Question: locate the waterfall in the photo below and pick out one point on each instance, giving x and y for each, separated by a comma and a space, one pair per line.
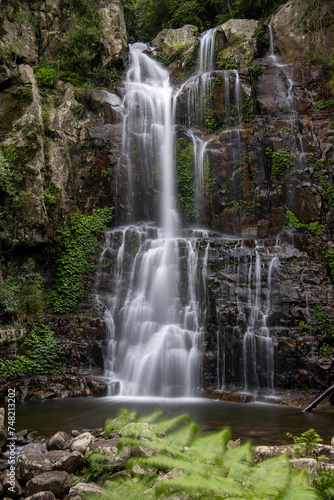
148, 133
151, 279
258, 351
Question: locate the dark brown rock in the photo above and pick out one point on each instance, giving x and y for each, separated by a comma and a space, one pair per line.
58, 482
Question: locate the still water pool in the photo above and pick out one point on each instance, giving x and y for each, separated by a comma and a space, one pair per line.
256, 422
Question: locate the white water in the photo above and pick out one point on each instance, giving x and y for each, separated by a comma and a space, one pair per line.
258, 349
153, 279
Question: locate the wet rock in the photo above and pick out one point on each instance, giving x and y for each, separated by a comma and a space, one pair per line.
83, 490
58, 482
42, 495
32, 462
57, 441
11, 486
81, 443
263, 452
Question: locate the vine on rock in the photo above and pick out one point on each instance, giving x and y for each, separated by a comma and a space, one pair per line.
77, 243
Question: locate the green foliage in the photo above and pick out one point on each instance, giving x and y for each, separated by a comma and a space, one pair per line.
315, 163
247, 108
326, 323
46, 76
329, 190
20, 292
324, 483
324, 350
9, 176
305, 444
257, 71
329, 255
77, 243
100, 467
321, 105
314, 227
280, 162
163, 58
198, 466
294, 221
43, 356
189, 61
187, 191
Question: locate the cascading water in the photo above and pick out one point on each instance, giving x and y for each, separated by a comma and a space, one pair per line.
152, 276
153, 279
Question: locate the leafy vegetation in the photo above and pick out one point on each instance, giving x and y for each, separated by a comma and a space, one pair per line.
9, 175
77, 243
100, 466
186, 465
314, 227
145, 18
42, 356
20, 293
46, 76
280, 162
305, 444
187, 192
324, 483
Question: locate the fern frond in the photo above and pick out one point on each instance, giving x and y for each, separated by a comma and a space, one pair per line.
151, 419
180, 438
210, 448
238, 462
299, 488
115, 424
220, 487
171, 424
270, 478
130, 489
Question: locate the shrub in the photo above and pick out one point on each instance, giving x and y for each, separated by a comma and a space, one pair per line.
280, 162
46, 77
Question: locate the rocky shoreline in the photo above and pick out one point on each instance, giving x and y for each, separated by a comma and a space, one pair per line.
60, 466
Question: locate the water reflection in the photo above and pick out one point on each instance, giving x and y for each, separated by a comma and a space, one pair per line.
257, 422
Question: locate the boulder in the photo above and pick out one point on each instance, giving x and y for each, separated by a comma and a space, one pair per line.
84, 490
242, 42
57, 441
11, 486
114, 39
240, 30
81, 443
291, 34
42, 495
169, 39
31, 463
58, 482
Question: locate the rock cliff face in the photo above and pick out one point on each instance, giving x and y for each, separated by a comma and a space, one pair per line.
268, 132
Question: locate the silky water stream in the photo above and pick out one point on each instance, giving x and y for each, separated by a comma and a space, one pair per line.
152, 276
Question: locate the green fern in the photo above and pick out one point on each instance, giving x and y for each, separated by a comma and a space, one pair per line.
186, 465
